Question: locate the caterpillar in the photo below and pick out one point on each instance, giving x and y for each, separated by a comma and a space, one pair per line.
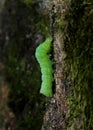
43, 58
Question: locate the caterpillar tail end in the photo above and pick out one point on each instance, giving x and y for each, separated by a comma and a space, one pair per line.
46, 93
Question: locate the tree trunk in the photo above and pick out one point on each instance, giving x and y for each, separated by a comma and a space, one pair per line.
55, 117
70, 22
71, 106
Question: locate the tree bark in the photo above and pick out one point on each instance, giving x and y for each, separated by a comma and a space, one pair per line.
55, 117
71, 106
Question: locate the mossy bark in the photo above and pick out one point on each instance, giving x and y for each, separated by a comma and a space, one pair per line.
70, 23
55, 117
71, 107
23, 28
79, 46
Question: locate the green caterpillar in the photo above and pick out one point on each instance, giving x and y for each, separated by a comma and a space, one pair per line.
43, 58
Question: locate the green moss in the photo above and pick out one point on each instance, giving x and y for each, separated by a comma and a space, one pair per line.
25, 25
79, 48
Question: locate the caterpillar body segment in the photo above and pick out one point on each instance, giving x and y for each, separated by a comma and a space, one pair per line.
43, 58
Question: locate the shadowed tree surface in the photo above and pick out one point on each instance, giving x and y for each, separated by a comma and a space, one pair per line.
21, 33
24, 25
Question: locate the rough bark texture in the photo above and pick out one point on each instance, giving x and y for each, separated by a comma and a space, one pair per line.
73, 54
55, 117
25, 24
